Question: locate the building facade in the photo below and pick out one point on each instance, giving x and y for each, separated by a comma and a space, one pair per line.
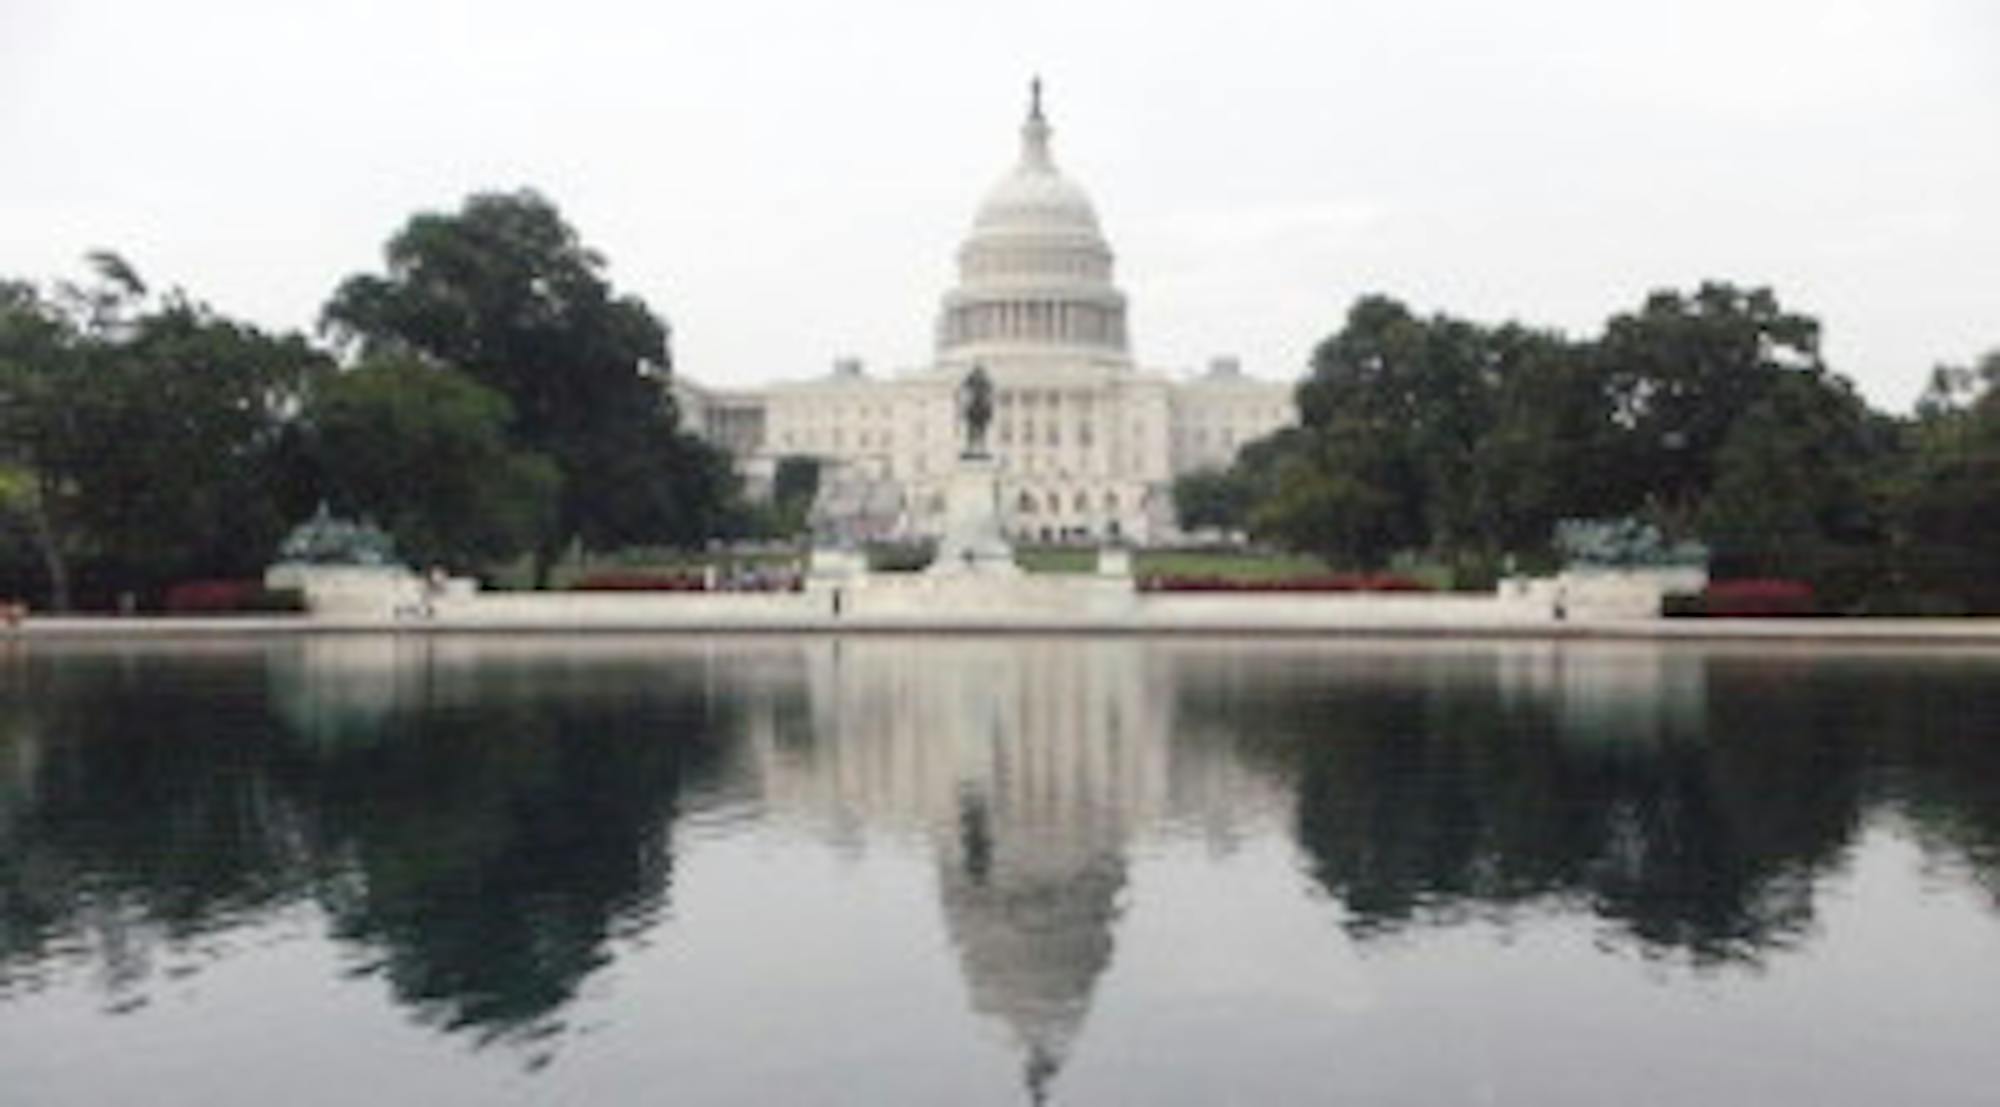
1088, 442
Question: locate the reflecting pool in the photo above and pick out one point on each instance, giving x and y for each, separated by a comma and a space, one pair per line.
886, 870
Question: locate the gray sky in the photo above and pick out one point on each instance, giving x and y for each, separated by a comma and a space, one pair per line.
787, 182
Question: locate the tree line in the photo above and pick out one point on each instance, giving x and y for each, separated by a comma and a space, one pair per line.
488, 395
1710, 414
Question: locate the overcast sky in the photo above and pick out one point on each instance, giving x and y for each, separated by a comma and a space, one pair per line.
787, 182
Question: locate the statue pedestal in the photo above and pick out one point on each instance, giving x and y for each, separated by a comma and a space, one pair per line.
972, 541
353, 591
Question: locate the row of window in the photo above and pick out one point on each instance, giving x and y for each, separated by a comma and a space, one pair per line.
835, 439
1051, 503
989, 262
1086, 466
1051, 434
1010, 460
1044, 397
1005, 434
1063, 533
1224, 436
1190, 416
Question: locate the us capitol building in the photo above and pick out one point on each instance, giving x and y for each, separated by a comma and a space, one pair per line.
1088, 443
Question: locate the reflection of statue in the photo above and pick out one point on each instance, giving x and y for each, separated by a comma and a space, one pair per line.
975, 405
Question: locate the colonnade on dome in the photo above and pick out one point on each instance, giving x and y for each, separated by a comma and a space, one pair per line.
1052, 321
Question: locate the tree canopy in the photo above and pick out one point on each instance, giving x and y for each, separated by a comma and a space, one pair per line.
152, 437
423, 450
1711, 414
504, 291
493, 395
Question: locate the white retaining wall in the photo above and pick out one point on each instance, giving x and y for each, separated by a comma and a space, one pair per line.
977, 601
635, 610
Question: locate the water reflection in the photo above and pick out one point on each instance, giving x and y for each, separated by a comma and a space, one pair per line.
495, 830
1690, 798
477, 825
483, 825
134, 818
1029, 772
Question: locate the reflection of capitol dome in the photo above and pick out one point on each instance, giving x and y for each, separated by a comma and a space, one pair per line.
1032, 919
1030, 768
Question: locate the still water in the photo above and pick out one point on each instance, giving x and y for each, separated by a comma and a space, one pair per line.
925, 871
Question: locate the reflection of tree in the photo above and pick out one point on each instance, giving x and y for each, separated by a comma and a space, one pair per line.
1432, 789
491, 854
136, 813
486, 828
1935, 757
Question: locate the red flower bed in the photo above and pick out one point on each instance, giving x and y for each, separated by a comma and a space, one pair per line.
195, 597
1759, 597
1333, 582
625, 580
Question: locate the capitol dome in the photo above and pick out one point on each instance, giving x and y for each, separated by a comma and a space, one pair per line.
1034, 275
1034, 198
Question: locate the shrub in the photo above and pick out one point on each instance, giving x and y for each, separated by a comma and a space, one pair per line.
209, 597
1333, 582
631, 580
1682, 605
900, 557
274, 601
1758, 598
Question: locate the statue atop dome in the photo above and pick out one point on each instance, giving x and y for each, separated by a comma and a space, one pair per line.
1035, 133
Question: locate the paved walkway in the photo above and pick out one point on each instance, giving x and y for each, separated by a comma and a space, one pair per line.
1983, 632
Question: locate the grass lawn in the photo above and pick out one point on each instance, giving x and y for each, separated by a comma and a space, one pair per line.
1228, 565
566, 572
1191, 563
1056, 559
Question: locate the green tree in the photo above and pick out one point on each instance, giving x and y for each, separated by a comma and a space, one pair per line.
423, 450
1795, 488
794, 487
796, 480
1401, 390
37, 355
158, 436
1391, 417
1541, 456
1678, 372
1218, 499
1946, 503
504, 291
1334, 494
190, 460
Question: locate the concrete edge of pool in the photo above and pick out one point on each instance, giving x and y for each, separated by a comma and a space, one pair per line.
1916, 631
